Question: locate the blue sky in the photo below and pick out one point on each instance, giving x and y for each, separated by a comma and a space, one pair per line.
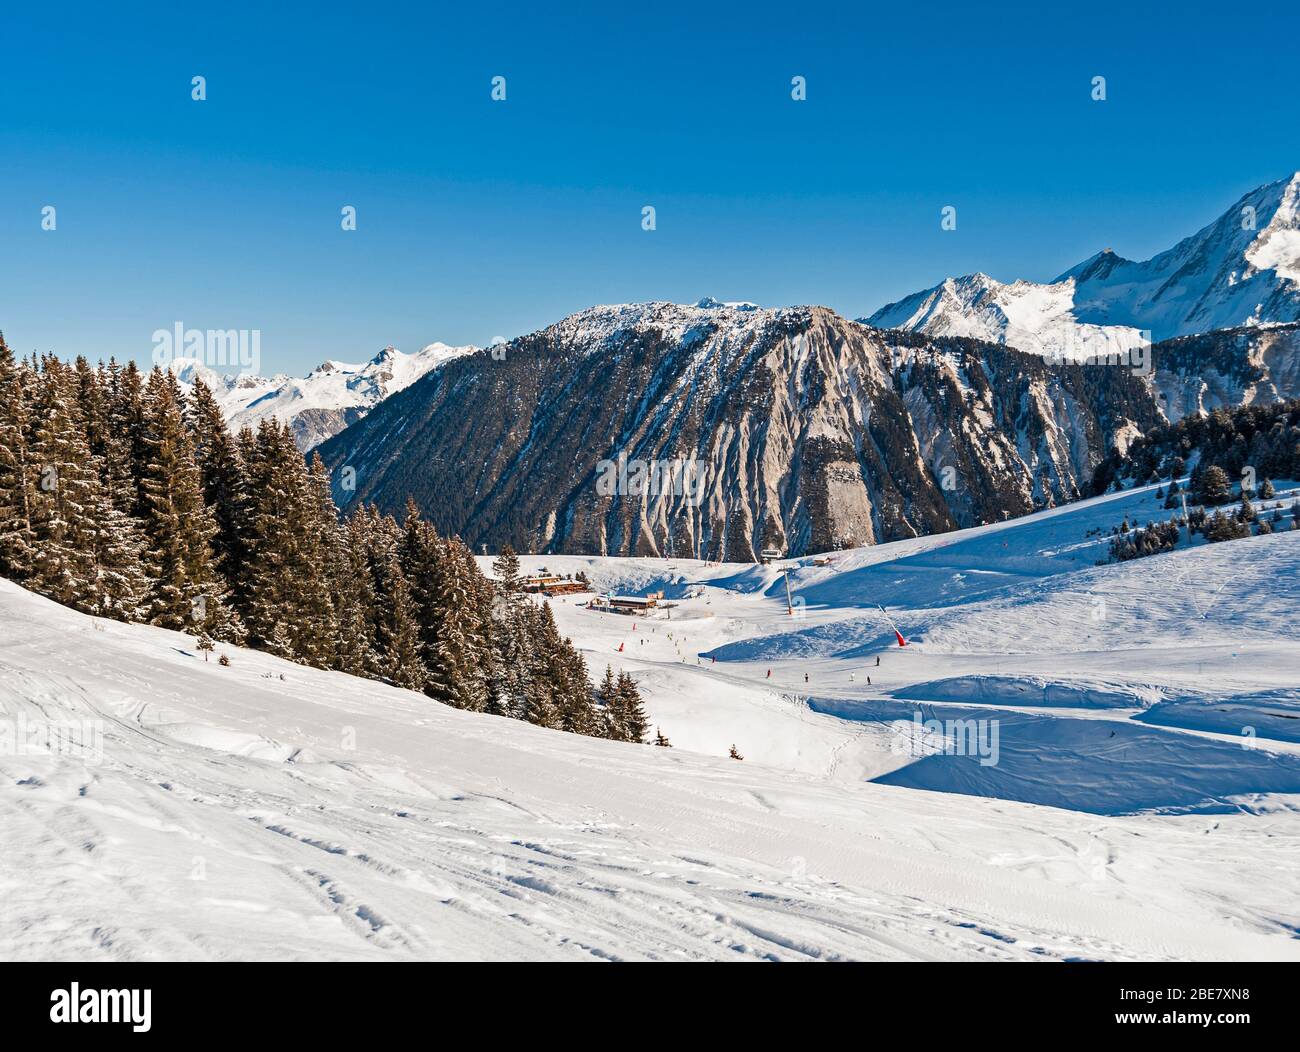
479, 219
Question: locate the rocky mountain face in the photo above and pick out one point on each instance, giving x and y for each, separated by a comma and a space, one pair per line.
1251, 365
326, 400
1242, 269
718, 430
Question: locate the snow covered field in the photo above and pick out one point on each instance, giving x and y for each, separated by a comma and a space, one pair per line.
1144, 802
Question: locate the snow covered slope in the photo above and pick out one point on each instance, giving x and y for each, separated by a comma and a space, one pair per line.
326, 400
1013, 622
1242, 269
266, 810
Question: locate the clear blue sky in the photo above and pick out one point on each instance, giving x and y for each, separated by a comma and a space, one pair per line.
479, 219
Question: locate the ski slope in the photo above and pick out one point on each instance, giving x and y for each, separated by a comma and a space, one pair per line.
1156, 667
267, 810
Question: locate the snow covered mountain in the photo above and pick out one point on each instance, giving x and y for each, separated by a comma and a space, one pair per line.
1242, 269
326, 400
1040, 319
801, 430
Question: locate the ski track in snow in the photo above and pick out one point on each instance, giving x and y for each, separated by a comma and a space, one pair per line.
239, 815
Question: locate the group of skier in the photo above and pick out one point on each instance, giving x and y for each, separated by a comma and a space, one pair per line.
853, 676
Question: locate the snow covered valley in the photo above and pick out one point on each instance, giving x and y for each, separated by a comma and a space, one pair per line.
1144, 802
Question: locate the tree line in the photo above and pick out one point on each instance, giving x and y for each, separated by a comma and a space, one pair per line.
124, 496
1208, 485
1264, 438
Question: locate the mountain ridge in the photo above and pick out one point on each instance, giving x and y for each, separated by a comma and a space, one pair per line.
1241, 269
809, 431
326, 400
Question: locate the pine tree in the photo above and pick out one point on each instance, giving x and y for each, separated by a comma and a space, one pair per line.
17, 472
578, 714
350, 647
458, 639
630, 718
1212, 486
734, 753
121, 586
492, 673
560, 677
67, 494
224, 483
124, 456
178, 526
92, 399
355, 650
539, 703
607, 710
283, 574
506, 568
320, 538
1219, 527
517, 661
399, 631
279, 641
421, 558
249, 452
510, 642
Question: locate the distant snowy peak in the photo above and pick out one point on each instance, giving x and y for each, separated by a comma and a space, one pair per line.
326, 400
1242, 269
1030, 317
